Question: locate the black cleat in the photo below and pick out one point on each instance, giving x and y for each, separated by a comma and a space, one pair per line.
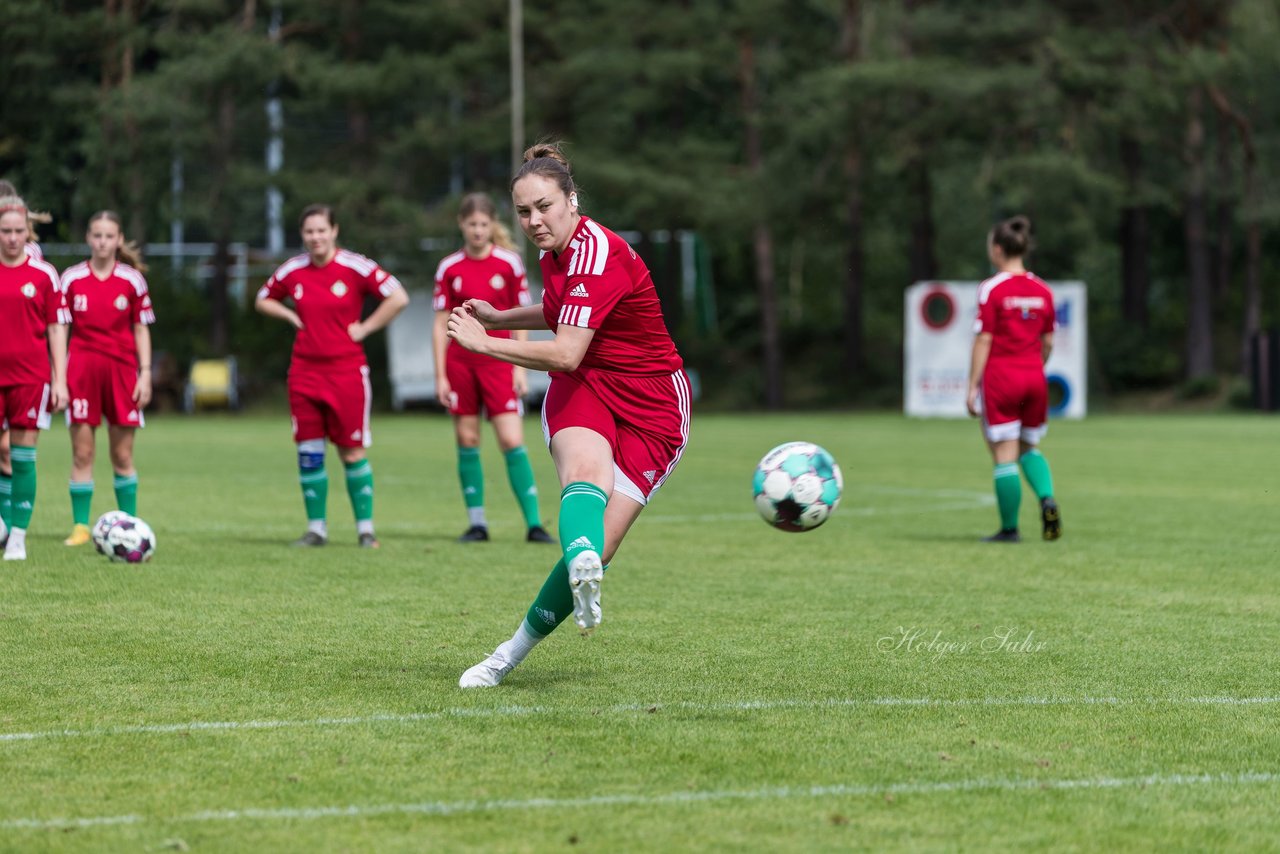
1052, 518
369, 541
475, 534
538, 534
1004, 535
310, 540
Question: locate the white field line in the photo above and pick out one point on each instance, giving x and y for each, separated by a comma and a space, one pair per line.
629, 708
775, 793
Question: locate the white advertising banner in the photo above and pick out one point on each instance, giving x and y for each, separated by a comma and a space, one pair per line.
938, 341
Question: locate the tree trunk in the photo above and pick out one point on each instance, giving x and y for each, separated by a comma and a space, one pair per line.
1135, 240
1199, 283
135, 215
761, 235
850, 52
924, 262
220, 207
1222, 213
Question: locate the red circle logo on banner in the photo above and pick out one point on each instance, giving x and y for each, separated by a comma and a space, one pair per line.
937, 309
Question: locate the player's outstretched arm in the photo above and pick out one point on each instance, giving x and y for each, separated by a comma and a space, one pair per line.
521, 317
562, 353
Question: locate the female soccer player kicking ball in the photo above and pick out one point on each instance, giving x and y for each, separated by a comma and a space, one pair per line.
617, 412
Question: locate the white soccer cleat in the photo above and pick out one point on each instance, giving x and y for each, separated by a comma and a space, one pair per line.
585, 573
15, 549
486, 674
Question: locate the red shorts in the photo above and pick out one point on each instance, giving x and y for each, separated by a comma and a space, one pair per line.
334, 404
99, 386
25, 407
478, 383
645, 420
1015, 404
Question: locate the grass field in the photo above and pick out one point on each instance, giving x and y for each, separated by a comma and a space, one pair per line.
884, 682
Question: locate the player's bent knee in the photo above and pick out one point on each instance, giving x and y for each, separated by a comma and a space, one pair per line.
311, 454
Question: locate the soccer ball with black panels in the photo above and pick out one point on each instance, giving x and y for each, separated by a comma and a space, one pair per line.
797, 486
124, 538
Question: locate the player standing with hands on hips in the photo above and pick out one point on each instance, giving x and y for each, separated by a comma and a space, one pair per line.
329, 391
109, 364
617, 413
1014, 336
33, 362
486, 268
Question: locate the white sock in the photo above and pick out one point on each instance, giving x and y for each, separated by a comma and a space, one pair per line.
476, 515
364, 526
318, 526
17, 538
520, 645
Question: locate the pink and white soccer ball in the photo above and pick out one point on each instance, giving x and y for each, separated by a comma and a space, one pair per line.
100, 528
130, 540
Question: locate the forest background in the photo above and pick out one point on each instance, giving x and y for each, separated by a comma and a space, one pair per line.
825, 153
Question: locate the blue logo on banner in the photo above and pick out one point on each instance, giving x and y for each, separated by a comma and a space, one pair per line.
1060, 388
1063, 314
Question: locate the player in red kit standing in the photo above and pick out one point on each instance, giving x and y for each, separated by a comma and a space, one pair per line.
33, 361
616, 416
6, 468
329, 392
109, 364
486, 268
1014, 336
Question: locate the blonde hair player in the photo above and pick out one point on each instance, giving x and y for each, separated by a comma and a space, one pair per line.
33, 362
108, 364
487, 268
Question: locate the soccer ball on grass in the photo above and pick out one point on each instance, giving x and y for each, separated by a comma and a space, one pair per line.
797, 486
130, 540
100, 528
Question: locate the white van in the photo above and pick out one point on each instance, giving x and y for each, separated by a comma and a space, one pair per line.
411, 361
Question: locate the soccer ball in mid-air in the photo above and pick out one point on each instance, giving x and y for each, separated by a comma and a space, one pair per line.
100, 528
797, 486
130, 540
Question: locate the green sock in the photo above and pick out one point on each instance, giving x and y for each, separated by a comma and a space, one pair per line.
360, 488
553, 604
1008, 494
315, 491
471, 476
81, 501
1036, 469
24, 484
520, 474
126, 486
6, 498
581, 521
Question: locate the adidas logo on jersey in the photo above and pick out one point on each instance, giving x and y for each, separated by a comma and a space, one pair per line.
511, 404
548, 616
579, 291
582, 543
650, 475
133, 415
31, 413
355, 436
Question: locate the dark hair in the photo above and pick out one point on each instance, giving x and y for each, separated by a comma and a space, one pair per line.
128, 250
317, 209
473, 203
1013, 236
546, 159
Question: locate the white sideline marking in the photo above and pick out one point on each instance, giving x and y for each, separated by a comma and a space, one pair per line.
626, 708
444, 808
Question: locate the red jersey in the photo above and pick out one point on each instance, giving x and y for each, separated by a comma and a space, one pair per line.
1016, 308
328, 299
600, 283
498, 279
30, 300
105, 311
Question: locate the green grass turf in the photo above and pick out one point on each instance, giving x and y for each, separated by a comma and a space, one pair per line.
749, 689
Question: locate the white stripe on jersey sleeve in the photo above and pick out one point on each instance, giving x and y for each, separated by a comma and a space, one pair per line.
447, 262
48, 269
133, 277
575, 315
355, 261
389, 286
74, 273
512, 258
984, 290
593, 252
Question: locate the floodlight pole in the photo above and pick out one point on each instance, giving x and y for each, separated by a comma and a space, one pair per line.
517, 98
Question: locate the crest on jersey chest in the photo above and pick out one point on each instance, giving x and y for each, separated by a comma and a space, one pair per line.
28, 290
121, 302
339, 289
497, 282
